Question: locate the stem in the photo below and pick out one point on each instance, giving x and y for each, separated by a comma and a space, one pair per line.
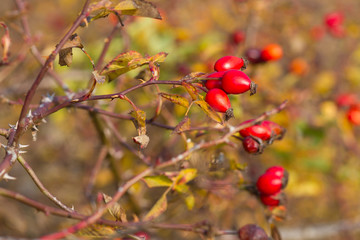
42, 188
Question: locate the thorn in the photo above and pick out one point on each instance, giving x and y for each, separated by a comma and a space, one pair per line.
72, 207
3, 145
22, 152
8, 177
43, 120
22, 146
29, 114
35, 128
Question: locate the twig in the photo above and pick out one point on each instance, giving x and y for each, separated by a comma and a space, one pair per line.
42, 188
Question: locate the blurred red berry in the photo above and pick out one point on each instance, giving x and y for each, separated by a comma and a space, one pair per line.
317, 32
254, 55
337, 31
353, 115
276, 130
252, 232
257, 130
270, 200
281, 173
269, 184
238, 37
346, 100
334, 19
229, 62
251, 145
272, 52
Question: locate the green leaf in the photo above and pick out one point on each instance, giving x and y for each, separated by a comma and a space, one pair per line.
177, 99
159, 207
116, 210
209, 111
157, 181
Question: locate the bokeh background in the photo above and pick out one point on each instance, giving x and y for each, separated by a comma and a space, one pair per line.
320, 149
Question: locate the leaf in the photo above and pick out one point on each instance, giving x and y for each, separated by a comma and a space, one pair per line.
190, 201
177, 99
157, 181
116, 210
128, 61
209, 111
186, 175
183, 125
159, 207
139, 8
96, 231
139, 121
191, 90
194, 75
142, 140
122, 64
65, 54
98, 77
5, 43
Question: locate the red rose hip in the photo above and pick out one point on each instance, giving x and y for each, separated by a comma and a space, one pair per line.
272, 52
256, 130
269, 184
270, 200
219, 101
214, 83
236, 82
251, 145
228, 63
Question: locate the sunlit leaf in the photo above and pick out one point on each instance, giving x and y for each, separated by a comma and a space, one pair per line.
159, 57
96, 231
139, 120
209, 111
65, 54
186, 175
191, 90
139, 8
177, 99
159, 207
157, 181
190, 201
183, 125
116, 210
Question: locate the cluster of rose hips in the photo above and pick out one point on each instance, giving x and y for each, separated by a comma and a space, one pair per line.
227, 79
334, 24
270, 185
270, 52
259, 135
350, 102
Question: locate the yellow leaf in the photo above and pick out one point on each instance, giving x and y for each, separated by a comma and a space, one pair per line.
157, 181
116, 210
126, 5
183, 125
96, 231
209, 111
177, 99
191, 90
159, 207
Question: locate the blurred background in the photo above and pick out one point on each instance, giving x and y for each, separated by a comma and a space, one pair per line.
318, 72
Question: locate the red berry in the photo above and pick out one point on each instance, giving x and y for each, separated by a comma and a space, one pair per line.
254, 55
353, 115
317, 32
337, 31
236, 82
272, 52
238, 37
251, 145
281, 173
346, 100
219, 101
141, 235
229, 62
214, 83
252, 232
269, 184
270, 200
333, 19
256, 130
276, 130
